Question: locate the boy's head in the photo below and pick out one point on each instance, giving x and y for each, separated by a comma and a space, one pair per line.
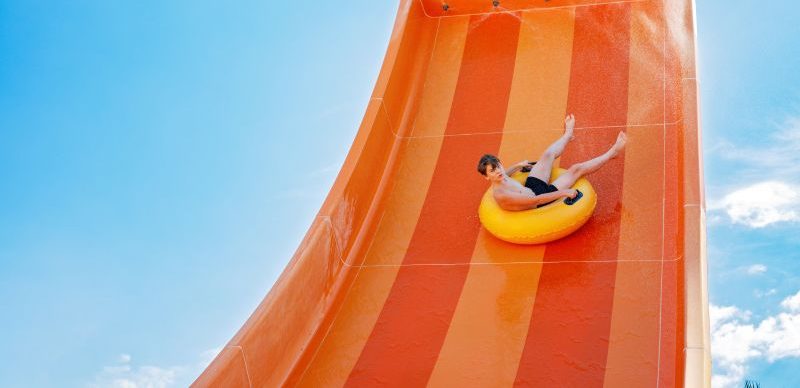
490, 167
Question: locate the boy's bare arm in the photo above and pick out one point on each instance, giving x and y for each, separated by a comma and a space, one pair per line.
525, 202
516, 167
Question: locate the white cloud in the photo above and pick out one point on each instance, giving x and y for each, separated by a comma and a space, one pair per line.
780, 158
735, 341
775, 165
761, 294
756, 269
125, 375
761, 204
792, 303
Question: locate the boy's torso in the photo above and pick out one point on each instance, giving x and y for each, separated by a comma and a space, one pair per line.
512, 188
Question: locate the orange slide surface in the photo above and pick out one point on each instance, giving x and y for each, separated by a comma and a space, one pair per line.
397, 284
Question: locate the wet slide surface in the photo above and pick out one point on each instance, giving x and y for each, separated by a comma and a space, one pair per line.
397, 283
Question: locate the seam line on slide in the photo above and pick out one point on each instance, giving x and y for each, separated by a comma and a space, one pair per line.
244, 359
538, 9
516, 263
523, 131
664, 190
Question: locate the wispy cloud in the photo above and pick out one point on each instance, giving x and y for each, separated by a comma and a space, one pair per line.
735, 341
779, 158
761, 294
318, 181
756, 269
775, 169
124, 374
327, 170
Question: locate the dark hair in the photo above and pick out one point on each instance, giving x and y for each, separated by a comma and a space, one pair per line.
487, 159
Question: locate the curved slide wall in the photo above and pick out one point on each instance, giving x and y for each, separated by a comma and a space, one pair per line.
397, 284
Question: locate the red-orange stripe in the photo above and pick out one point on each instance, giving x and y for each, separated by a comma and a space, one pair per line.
567, 343
672, 306
405, 342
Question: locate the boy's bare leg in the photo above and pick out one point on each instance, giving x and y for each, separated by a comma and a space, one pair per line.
544, 165
576, 171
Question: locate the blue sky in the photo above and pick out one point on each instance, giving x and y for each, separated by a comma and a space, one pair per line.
160, 162
749, 54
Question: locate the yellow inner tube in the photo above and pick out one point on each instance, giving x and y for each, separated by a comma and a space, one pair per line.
540, 225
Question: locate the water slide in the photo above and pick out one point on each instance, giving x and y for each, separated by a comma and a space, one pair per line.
397, 284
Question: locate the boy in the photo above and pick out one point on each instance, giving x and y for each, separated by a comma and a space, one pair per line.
511, 195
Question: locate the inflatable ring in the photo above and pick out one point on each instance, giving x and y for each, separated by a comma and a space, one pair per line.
540, 225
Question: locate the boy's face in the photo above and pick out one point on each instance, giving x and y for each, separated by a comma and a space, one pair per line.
495, 174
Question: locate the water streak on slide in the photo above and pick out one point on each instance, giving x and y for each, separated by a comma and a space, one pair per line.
397, 284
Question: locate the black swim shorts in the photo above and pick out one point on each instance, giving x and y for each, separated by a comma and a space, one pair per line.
540, 187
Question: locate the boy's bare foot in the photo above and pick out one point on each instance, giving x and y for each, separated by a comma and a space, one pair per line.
569, 126
622, 138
